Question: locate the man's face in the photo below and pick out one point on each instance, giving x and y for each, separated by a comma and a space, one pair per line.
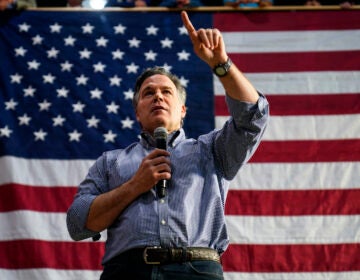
159, 104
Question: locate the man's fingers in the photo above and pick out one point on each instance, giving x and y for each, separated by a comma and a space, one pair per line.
189, 27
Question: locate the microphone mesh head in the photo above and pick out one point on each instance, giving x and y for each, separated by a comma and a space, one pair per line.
160, 133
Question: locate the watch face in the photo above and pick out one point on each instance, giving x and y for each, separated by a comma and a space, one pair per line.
221, 71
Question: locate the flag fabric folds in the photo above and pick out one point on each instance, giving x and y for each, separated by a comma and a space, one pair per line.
66, 83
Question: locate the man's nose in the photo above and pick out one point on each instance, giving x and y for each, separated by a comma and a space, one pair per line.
158, 95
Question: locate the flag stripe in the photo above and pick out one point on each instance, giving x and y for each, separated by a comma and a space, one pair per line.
53, 274
347, 275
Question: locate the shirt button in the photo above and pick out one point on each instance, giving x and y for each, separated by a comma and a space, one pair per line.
162, 200
163, 222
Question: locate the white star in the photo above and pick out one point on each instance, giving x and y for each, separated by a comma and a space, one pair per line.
5, 131
88, 28
117, 54
96, 93
184, 82
182, 30
78, 107
166, 43
129, 94
33, 65
109, 136
127, 123
151, 30
134, 42
45, 105
62, 92
20, 51
58, 121
66, 66
69, 41
115, 80
93, 122
74, 136
99, 67
24, 27
167, 67
132, 68
52, 53
119, 29
29, 91
85, 53
81, 80
183, 55
112, 108
40, 135
37, 40
10, 105
150, 55
24, 119
101, 42
55, 28
49, 78
16, 78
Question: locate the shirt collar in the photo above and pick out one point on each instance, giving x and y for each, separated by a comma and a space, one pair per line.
148, 141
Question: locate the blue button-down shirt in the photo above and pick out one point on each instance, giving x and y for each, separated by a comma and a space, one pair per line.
192, 212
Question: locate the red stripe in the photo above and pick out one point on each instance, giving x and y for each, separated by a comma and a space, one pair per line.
308, 151
297, 61
292, 258
293, 202
42, 199
22, 254
287, 21
301, 104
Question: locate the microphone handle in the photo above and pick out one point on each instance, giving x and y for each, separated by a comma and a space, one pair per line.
162, 184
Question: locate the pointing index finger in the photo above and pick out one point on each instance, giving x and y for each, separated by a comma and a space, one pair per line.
187, 23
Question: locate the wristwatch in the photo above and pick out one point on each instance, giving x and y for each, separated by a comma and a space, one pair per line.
222, 69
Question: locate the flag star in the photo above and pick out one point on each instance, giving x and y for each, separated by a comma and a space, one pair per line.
112, 108
33, 65
45, 105
55, 28
10, 105
182, 30
129, 94
166, 43
119, 29
118, 54
58, 121
20, 51
93, 122
127, 123
52, 53
109, 136
29, 91
48, 79
37, 40
88, 28
101, 42
115, 80
24, 27
132, 68
66, 66
62, 92
96, 93
151, 30
5, 131
40, 135
167, 67
78, 107
99, 67
74, 136
183, 55
24, 119
134, 42
184, 82
69, 41
81, 80
150, 55
85, 53
16, 78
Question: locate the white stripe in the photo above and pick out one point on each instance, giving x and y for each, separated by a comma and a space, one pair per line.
351, 275
319, 127
291, 41
329, 229
297, 176
53, 274
320, 82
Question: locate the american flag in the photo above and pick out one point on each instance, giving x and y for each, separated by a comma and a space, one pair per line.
66, 83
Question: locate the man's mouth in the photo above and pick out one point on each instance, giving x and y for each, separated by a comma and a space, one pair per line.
157, 108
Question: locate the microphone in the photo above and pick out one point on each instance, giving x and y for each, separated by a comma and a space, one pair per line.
160, 135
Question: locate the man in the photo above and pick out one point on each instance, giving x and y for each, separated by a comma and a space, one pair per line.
182, 234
